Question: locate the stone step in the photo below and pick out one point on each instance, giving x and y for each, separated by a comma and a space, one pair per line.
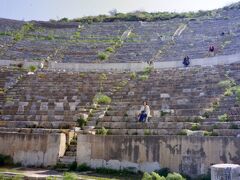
71, 153
67, 160
33, 130
165, 118
37, 124
148, 125
227, 132
145, 131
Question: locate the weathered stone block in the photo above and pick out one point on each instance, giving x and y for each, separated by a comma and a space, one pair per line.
44, 106
182, 101
59, 106
164, 95
131, 93
73, 106
225, 172
149, 166
187, 90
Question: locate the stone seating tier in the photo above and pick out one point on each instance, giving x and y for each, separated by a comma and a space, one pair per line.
158, 41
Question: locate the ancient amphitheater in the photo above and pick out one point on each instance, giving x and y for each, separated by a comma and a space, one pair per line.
70, 91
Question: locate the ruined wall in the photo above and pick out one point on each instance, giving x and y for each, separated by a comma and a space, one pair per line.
190, 155
33, 149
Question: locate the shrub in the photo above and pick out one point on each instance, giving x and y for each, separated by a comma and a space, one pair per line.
18, 177
206, 114
73, 166
237, 91
82, 75
103, 56
174, 176
102, 99
118, 43
228, 92
199, 119
147, 70
223, 118
5, 160
215, 104
212, 133
82, 122
24, 29
51, 178
164, 172
83, 167
195, 127
42, 76
102, 131
77, 35
27, 27
49, 37
2, 90
70, 176
32, 68
225, 83
146, 176
156, 176
143, 77
18, 36
110, 50
103, 76
142, 16
64, 19
133, 75
147, 132
182, 132
5, 33
152, 176
206, 133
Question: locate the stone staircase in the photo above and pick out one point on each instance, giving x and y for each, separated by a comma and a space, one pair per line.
70, 153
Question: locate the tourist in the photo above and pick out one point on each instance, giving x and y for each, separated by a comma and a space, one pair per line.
186, 61
144, 112
211, 50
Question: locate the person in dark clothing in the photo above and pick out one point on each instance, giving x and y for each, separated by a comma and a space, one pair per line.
211, 48
211, 51
186, 61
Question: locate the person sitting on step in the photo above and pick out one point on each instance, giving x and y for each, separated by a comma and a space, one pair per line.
211, 50
144, 112
186, 61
